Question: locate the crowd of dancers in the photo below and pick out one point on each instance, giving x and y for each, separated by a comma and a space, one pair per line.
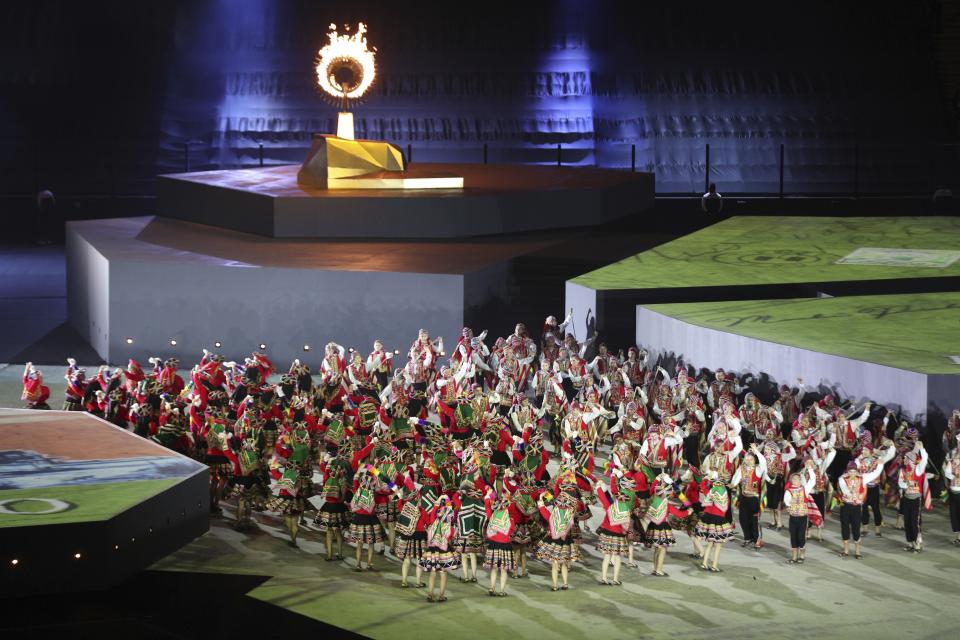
495, 455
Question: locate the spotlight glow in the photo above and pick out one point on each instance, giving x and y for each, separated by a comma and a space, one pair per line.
14, 562
263, 346
306, 347
173, 343
129, 340
76, 556
348, 55
218, 344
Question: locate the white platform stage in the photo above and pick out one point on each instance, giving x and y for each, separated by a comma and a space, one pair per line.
155, 280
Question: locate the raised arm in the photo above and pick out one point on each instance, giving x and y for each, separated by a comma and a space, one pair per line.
737, 448
810, 481
873, 475
857, 422
922, 463
761, 464
788, 454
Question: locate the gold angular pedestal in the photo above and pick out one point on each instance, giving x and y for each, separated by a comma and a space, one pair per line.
338, 163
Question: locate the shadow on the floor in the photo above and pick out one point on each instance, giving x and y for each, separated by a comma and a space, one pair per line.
162, 604
56, 346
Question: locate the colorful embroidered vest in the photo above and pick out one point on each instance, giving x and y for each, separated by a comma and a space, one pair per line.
855, 490
749, 482
360, 373
845, 439
955, 468
914, 489
821, 483
525, 503
658, 450
449, 392
774, 461
335, 432
616, 395
868, 463
798, 501
384, 363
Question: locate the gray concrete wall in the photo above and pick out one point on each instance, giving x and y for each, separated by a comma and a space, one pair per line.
583, 301
88, 290
854, 379
285, 309
157, 295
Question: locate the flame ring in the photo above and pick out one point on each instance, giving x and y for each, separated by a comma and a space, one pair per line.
346, 53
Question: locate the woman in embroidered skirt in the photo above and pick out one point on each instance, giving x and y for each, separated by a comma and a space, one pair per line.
502, 518
524, 494
658, 532
714, 527
471, 518
612, 537
558, 547
245, 450
440, 556
411, 532
365, 527
291, 470
333, 517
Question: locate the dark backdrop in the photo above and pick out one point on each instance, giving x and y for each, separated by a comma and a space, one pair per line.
96, 98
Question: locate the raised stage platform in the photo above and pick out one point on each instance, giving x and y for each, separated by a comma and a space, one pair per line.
250, 257
767, 257
154, 280
894, 349
85, 504
496, 199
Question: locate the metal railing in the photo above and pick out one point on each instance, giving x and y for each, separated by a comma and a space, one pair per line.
784, 169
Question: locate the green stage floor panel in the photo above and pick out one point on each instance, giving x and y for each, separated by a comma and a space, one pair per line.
757, 595
778, 250
915, 332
